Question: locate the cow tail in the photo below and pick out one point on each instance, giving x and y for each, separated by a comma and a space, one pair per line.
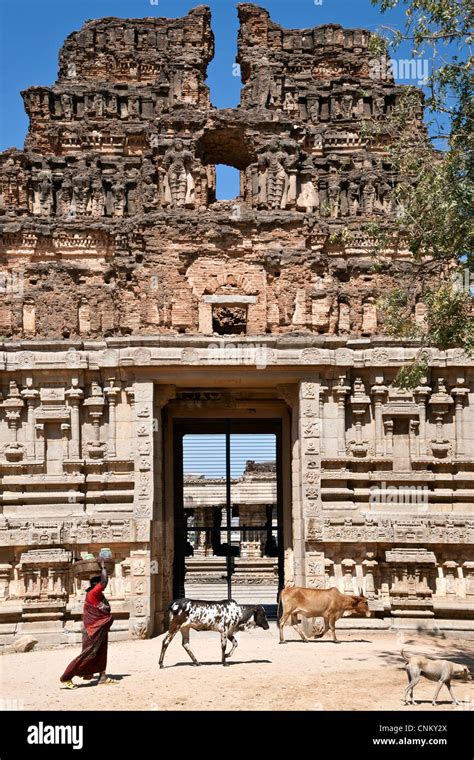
280, 603
402, 652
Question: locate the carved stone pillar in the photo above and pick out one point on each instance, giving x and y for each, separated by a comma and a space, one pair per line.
95, 405
130, 391
414, 426
359, 403
127, 584
112, 393
421, 393
450, 568
295, 570
460, 394
340, 391
388, 427
315, 570
440, 403
74, 395
310, 460
139, 621
322, 390
379, 392
201, 548
30, 395
65, 429
328, 572
468, 569
13, 406
161, 532
143, 497
5, 576
348, 570
40, 444
370, 566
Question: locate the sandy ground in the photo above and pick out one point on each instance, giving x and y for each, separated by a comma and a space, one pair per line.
363, 672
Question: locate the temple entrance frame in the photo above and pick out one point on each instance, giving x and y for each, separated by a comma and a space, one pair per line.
252, 416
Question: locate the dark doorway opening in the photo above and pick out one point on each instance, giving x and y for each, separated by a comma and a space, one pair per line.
229, 320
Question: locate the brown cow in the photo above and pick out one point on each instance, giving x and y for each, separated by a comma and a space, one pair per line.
329, 604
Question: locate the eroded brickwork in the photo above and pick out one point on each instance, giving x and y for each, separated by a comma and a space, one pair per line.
109, 213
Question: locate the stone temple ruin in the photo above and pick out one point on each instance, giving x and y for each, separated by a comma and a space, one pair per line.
134, 303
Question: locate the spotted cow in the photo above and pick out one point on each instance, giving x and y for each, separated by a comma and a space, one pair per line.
225, 617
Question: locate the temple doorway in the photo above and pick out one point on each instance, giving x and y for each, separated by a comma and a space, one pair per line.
228, 510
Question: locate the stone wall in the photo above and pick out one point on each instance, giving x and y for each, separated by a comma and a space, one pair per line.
109, 218
382, 480
125, 284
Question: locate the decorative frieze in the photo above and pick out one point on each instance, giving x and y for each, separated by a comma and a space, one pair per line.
391, 529
310, 450
144, 489
139, 600
90, 530
315, 569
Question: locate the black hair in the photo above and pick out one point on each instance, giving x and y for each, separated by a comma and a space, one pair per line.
93, 582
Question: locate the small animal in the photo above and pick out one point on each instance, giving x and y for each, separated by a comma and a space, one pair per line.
441, 671
227, 617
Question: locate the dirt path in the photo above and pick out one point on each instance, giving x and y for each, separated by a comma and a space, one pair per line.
363, 672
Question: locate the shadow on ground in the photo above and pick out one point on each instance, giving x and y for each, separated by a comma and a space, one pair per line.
435, 647
218, 662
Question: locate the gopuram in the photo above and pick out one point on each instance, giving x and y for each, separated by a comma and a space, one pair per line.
135, 303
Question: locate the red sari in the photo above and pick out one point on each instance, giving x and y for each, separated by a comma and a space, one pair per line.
97, 622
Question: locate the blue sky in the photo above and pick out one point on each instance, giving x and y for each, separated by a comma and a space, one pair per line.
205, 454
32, 31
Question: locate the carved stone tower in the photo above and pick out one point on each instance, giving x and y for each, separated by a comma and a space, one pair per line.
127, 285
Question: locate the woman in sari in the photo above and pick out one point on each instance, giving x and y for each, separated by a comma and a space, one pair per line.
97, 622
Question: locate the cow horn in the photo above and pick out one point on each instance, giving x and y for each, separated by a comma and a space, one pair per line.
361, 591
